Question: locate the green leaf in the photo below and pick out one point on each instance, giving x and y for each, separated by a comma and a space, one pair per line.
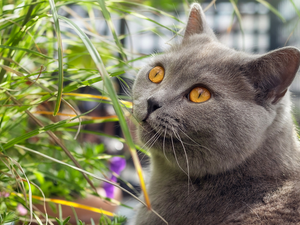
113, 96
295, 7
237, 12
39, 176
66, 220
92, 221
270, 7
110, 24
9, 217
63, 123
149, 8
60, 58
147, 18
80, 222
26, 50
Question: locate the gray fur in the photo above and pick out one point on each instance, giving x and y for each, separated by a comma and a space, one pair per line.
233, 159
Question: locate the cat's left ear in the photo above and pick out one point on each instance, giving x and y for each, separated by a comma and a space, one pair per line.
197, 23
274, 72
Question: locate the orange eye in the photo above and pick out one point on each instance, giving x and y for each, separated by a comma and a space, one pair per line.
199, 94
156, 75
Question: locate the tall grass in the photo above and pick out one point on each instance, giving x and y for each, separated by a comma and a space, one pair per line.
49, 55
46, 61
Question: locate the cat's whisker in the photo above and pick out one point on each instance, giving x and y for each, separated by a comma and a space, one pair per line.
145, 130
158, 136
175, 156
186, 157
149, 140
125, 86
164, 140
139, 123
155, 137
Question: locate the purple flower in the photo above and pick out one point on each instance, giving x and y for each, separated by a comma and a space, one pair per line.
109, 190
21, 210
117, 164
4, 194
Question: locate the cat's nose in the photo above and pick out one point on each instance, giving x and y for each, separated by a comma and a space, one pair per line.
152, 105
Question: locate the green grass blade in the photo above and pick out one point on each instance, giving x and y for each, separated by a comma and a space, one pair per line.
33, 133
85, 122
147, 18
237, 12
29, 12
107, 17
150, 8
60, 58
113, 96
17, 34
295, 7
78, 84
50, 127
270, 7
56, 140
78, 169
90, 174
104, 135
11, 22
25, 50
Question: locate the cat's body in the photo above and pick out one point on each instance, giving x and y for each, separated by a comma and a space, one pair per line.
233, 158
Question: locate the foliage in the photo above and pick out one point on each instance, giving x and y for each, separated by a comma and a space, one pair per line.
8, 217
46, 62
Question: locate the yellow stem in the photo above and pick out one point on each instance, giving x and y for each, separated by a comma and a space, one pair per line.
68, 203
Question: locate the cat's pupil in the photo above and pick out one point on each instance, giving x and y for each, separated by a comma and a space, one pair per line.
200, 94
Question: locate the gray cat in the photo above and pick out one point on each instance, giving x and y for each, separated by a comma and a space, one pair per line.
225, 150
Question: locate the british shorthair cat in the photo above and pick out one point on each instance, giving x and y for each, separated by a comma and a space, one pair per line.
225, 149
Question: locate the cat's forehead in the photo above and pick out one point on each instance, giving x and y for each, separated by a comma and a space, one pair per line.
198, 59
207, 63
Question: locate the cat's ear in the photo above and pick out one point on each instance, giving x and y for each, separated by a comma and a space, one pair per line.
274, 72
197, 23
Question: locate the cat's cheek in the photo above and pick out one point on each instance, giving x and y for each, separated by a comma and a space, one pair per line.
145, 137
139, 109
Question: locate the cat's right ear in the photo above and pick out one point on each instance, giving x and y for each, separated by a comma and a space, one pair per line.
197, 23
273, 73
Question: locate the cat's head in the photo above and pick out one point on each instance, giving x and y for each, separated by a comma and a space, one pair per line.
206, 104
